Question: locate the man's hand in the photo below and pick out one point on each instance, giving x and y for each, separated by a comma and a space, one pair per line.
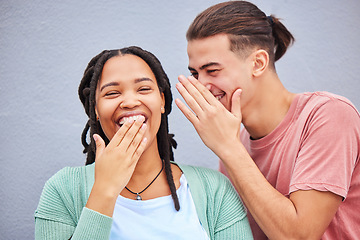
216, 126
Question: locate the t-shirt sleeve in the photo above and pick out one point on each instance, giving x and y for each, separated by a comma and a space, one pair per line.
329, 149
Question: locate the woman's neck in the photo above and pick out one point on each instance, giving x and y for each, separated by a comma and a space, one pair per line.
148, 163
146, 170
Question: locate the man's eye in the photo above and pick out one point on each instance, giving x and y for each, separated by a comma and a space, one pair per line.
195, 75
212, 70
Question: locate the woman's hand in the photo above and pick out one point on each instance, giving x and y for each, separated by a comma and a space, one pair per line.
216, 126
115, 164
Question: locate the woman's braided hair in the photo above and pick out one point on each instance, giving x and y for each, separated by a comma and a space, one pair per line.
87, 90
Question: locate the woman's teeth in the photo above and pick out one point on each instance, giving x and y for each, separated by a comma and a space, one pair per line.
133, 118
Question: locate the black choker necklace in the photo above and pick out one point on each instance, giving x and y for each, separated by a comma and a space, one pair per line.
138, 197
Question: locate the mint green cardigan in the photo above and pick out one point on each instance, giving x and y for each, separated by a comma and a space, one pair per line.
62, 214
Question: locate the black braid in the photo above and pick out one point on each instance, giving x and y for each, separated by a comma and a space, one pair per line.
87, 90
83, 137
166, 153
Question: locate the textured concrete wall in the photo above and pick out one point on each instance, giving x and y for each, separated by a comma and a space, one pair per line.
46, 45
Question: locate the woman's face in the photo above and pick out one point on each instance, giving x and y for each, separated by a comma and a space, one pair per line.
128, 89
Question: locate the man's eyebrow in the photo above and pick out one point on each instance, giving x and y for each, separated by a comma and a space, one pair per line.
205, 66
191, 69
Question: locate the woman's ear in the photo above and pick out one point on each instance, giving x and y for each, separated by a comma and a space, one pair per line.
162, 103
96, 112
261, 62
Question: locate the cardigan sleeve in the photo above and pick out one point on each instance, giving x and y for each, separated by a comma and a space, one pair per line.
231, 216
61, 213
218, 205
230, 213
239, 230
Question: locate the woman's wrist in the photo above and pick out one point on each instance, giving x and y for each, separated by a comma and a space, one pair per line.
102, 200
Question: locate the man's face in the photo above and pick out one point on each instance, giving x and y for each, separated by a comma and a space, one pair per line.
219, 69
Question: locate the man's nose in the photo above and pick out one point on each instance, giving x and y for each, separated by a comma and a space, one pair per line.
205, 81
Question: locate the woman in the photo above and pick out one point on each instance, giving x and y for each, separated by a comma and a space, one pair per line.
129, 188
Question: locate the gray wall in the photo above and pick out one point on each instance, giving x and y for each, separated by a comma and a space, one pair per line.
46, 45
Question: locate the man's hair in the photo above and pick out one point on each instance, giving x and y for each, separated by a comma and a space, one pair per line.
87, 92
246, 26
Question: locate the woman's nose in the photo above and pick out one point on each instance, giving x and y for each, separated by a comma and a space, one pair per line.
129, 102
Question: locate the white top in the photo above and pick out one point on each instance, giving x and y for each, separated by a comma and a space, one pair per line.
157, 218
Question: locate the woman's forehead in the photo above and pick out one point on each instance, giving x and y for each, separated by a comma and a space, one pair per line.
126, 68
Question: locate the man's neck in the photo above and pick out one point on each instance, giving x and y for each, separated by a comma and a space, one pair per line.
268, 108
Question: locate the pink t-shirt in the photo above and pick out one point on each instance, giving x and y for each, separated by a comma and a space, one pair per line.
316, 146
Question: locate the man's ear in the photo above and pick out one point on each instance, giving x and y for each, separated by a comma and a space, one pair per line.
261, 61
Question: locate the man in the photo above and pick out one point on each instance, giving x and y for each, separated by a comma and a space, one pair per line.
295, 163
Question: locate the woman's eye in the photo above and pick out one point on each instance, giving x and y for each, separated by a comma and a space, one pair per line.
145, 89
113, 93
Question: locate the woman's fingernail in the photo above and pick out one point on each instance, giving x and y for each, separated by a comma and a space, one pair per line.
95, 137
141, 118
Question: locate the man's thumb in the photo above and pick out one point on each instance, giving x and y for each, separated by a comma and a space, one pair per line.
236, 104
